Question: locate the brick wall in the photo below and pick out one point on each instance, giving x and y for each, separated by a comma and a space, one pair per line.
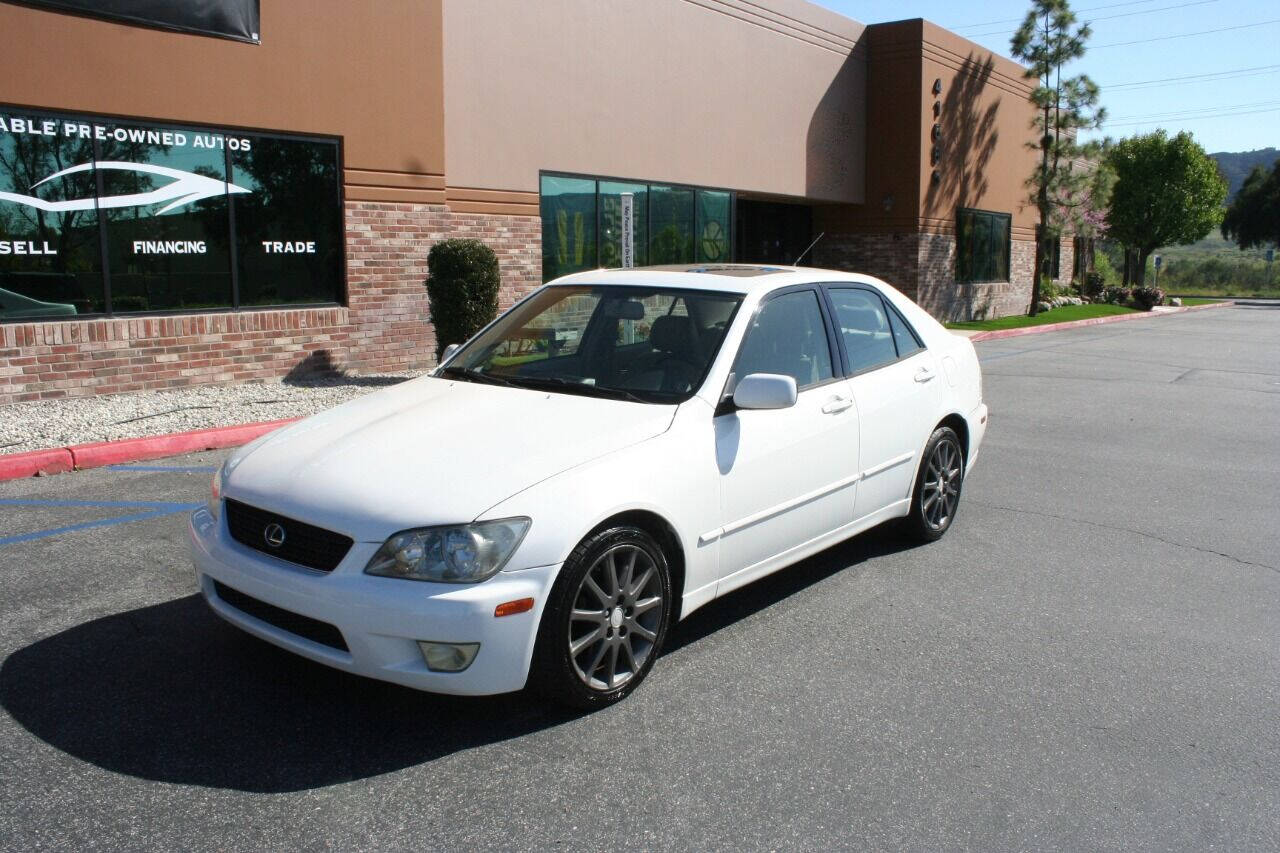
893, 258
384, 326
923, 267
1066, 260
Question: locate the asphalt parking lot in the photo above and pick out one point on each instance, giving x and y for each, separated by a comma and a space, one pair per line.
1089, 660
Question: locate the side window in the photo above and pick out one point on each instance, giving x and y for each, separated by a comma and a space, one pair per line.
903, 335
788, 337
864, 326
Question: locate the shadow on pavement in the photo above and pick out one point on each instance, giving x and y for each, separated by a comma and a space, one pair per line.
171, 693
768, 591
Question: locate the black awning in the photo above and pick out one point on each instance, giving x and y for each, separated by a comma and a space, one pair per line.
233, 19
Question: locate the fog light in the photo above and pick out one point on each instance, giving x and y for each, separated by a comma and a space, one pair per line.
448, 657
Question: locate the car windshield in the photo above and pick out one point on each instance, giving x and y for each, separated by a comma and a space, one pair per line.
646, 344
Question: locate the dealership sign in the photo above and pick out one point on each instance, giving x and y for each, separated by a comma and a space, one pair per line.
186, 188
100, 215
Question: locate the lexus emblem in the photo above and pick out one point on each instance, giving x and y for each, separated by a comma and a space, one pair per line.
273, 535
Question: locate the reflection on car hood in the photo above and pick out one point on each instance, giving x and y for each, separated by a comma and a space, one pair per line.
430, 451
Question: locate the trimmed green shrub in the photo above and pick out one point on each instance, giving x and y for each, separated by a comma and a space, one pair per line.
462, 289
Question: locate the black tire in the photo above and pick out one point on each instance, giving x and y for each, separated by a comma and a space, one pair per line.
586, 680
932, 514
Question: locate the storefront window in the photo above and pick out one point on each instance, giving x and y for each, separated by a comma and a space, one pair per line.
568, 225
50, 258
714, 212
100, 216
171, 254
1052, 256
670, 224
982, 246
289, 223
671, 229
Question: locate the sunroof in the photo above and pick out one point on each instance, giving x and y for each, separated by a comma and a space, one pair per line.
739, 270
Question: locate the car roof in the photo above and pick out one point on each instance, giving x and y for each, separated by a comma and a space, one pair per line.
731, 278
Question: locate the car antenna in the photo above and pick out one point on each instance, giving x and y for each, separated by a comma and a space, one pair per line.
806, 251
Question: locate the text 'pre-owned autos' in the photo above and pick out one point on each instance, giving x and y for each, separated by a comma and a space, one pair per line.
615, 451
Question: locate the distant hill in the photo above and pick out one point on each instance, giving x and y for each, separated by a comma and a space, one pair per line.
1236, 165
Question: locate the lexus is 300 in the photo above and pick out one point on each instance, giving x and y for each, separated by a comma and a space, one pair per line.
615, 451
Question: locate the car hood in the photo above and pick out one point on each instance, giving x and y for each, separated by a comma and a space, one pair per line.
430, 451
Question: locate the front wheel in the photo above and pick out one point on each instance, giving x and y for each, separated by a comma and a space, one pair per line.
937, 493
605, 620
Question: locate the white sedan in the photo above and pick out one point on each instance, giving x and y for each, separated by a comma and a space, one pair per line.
615, 451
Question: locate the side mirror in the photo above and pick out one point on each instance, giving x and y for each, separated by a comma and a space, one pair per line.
449, 351
765, 391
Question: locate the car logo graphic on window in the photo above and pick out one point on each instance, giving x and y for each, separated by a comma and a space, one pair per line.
185, 188
273, 535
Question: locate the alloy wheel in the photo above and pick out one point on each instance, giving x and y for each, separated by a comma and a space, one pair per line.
615, 617
941, 490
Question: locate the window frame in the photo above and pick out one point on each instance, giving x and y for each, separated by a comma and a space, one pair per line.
649, 184
962, 232
827, 287
343, 290
1053, 255
731, 381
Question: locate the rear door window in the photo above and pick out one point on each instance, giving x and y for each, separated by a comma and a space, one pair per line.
865, 328
903, 335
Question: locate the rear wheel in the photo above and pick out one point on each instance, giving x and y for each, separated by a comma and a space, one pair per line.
605, 621
937, 493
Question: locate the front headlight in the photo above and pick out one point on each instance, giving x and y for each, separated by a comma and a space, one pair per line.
463, 553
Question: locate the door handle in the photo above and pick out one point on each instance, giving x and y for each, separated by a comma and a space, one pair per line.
836, 405
924, 374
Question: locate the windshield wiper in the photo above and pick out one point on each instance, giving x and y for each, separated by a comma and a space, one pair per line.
470, 375
574, 386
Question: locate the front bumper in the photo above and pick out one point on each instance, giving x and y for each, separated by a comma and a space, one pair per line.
380, 619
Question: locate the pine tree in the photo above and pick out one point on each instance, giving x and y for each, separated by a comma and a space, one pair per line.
1049, 39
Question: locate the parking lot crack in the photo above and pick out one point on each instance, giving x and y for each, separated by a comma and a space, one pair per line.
1122, 529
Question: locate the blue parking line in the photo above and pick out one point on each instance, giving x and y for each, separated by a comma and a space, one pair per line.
174, 469
86, 525
171, 506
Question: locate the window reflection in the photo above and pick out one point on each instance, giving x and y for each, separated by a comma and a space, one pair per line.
155, 200
568, 225
173, 253
671, 224
714, 212
982, 246
50, 264
671, 231
289, 223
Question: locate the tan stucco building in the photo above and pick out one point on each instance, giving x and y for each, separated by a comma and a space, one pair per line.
179, 208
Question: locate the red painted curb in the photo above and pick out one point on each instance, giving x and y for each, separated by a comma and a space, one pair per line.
14, 466
102, 453
1092, 321
97, 454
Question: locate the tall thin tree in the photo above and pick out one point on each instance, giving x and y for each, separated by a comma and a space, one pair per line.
1050, 38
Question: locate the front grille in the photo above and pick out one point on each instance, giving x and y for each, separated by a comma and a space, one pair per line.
304, 544
295, 623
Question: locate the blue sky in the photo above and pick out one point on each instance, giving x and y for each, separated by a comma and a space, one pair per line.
1231, 102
